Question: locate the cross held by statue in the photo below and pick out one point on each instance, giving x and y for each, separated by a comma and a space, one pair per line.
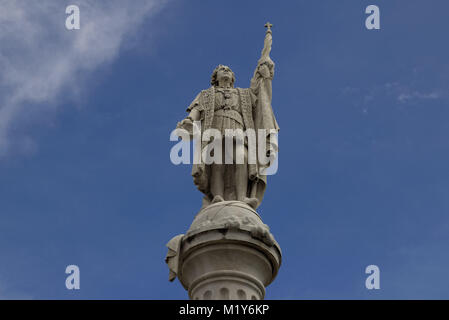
268, 26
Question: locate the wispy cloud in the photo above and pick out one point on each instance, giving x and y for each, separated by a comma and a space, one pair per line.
409, 93
39, 57
404, 97
402, 92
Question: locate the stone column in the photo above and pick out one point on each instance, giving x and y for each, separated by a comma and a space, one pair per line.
228, 254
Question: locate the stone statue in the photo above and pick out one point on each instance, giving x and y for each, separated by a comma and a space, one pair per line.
227, 109
228, 253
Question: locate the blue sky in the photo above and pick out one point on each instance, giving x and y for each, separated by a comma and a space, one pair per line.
85, 118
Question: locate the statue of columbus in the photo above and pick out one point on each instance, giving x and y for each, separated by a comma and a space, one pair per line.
225, 110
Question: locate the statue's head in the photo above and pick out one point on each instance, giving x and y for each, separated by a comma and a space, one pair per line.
220, 73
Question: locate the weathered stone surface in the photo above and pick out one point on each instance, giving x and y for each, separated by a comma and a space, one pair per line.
231, 215
228, 253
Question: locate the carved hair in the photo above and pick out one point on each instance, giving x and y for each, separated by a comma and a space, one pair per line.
214, 80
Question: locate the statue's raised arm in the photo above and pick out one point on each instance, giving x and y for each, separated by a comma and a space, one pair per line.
265, 66
261, 86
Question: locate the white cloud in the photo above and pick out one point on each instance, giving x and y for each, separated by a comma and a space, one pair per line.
39, 57
403, 93
404, 97
407, 93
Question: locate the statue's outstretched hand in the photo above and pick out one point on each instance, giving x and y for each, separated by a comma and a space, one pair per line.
184, 122
187, 125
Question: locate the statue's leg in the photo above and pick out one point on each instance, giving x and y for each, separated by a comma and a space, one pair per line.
217, 181
241, 171
241, 177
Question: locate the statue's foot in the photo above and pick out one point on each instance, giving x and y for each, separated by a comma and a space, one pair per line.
252, 202
217, 198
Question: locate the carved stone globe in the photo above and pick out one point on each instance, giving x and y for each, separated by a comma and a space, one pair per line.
228, 253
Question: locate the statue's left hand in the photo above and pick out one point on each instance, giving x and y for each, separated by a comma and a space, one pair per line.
266, 68
264, 71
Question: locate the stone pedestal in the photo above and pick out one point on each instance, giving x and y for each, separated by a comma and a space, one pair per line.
228, 254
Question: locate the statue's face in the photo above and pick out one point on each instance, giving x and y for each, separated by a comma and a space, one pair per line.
224, 73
